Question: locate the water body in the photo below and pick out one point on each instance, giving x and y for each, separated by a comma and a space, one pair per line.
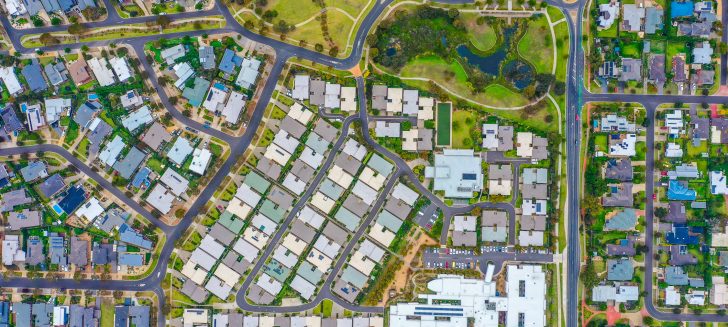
519, 73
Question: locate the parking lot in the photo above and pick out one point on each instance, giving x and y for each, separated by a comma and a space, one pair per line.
449, 258
426, 216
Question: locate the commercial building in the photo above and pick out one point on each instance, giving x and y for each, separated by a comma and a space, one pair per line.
457, 172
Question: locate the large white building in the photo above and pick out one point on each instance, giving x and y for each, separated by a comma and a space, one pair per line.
457, 299
458, 173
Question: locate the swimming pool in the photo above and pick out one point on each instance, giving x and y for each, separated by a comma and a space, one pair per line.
23, 107
57, 209
93, 96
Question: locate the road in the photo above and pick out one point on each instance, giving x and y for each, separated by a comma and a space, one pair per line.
577, 95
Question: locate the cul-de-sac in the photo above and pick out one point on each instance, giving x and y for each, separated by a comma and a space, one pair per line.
363, 163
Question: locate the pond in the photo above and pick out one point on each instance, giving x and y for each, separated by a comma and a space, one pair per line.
489, 64
519, 73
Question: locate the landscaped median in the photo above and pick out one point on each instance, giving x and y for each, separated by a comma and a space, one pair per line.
123, 31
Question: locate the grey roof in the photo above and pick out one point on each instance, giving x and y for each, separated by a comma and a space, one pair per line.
723, 258
494, 218
127, 166
657, 68
316, 92
501, 172
258, 295
97, 136
302, 231
619, 269
33, 171
537, 223
631, 69
34, 76
303, 171
85, 113
269, 167
619, 169
464, 238
505, 138
156, 135
335, 233
11, 120
679, 256
57, 250
356, 205
678, 69
701, 128
103, 254
676, 213
348, 163
42, 313
79, 252
653, 20
131, 236
398, 208
22, 314
624, 247
137, 316
12, 199
236, 262
111, 219
57, 73
293, 127
35, 253
194, 291
534, 191
379, 97
676, 276
280, 197
24, 219
222, 234
207, 57
326, 130
52, 185
424, 139
619, 196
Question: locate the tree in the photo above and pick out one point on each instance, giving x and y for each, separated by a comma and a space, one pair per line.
56, 21
319, 47
660, 212
77, 29
48, 39
173, 100
589, 276
163, 21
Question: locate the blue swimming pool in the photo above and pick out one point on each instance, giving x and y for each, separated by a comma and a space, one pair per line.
57, 209
23, 107
93, 96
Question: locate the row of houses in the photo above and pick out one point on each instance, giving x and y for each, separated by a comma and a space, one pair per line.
323, 94
18, 8
203, 318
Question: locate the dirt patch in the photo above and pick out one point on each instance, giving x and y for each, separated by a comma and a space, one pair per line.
417, 240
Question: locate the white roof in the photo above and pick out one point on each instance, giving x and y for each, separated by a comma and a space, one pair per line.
103, 74
121, 68
265, 225
286, 141
718, 183
384, 128
176, 182
294, 244
202, 258
331, 97
247, 195
277, 154
322, 202
11, 250
303, 287
255, 237
160, 198
371, 250
200, 160
212, 246
138, 118
310, 217
34, 117
626, 147
90, 210
672, 296
319, 260
111, 151
294, 184
348, 98
405, 194
215, 99
180, 150
227, 275
673, 150
183, 71
299, 113
248, 72
327, 246
171, 54
269, 284
354, 149
312, 158
245, 249
366, 193
238, 208
372, 178
526, 289
15, 7
361, 263
233, 107
394, 100
300, 87
382, 235
218, 288
10, 80
528, 238
285, 256
55, 108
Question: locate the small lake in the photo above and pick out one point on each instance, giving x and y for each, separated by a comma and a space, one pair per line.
519, 73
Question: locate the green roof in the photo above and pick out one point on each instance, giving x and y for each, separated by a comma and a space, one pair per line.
196, 95
378, 163
347, 218
278, 271
354, 277
272, 211
389, 221
310, 273
228, 220
256, 182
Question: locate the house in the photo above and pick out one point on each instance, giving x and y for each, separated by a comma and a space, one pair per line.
676, 276
249, 70
33, 116
620, 269
51, 186
531, 146
15, 198
127, 166
608, 69
703, 77
23, 219
718, 183
55, 108
632, 17
624, 247
631, 70
688, 171
233, 107
681, 234
532, 223
676, 213
500, 179
534, 207
317, 94
490, 136
620, 195
608, 13
673, 150
379, 97
137, 316
348, 98
229, 62
34, 76
11, 120
104, 75
702, 53
175, 182
657, 69
196, 94
99, 131
10, 81
200, 160
619, 169
57, 250
457, 173
678, 191
614, 123
301, 87
184, 72
170, 55
385, 128
494, 226
34, 170
394, 100
90, 210
215, 99
207, 57
653, 20
679, 69
417, 139
86, 113
130, 236
719, 291
332, 96
179, 151
121, 68
156, 135
112, 150
622, 145
15, 8
138, 118
674, 122
79, 72
161, 198
56, 73
621, 220
12, 253
617, 293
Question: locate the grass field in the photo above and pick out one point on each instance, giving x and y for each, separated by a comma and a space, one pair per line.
339, 27
561, 31
483, 37
675, 48
463, 121
444, 123
536, 46
632, 50
435, 68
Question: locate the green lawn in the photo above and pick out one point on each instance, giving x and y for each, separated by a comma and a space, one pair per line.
610, 32
155, 165
483, 37
561, 31
463, 122
632, 50
107, 314
444, 123
601, 142
675, 48
536, 46
436, 68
